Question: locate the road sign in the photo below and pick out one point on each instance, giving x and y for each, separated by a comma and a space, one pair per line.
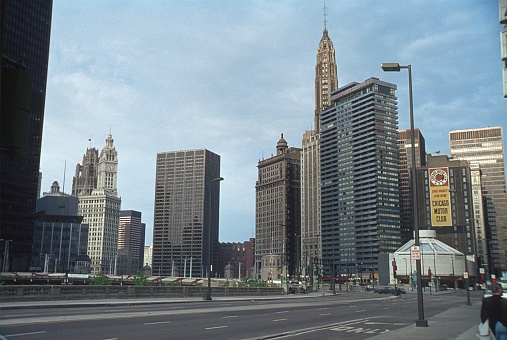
465, 275
415, 253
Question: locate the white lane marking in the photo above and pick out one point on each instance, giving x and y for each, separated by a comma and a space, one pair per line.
324, 314
216, 327
282, 312
276, 320
156, 323
360, 310
23, 334
229, 316
377, 323
323, 308
17, 315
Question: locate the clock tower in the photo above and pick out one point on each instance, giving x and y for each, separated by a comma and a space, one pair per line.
108, 168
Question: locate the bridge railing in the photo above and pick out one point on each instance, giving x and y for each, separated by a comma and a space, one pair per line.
78, 292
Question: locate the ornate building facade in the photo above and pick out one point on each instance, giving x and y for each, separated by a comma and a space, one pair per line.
101, 211
278, 215
326, 81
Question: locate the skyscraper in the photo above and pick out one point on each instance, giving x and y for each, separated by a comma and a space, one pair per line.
484, 147
503, 41
278, 214
130, 242
326, 81
359, 175
101, 211
186, 214
405, 147
25, 29
326, 75
85, 178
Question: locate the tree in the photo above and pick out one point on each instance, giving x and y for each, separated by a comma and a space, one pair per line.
101, 280
140, 279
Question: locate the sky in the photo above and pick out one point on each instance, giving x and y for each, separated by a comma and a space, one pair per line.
232, 76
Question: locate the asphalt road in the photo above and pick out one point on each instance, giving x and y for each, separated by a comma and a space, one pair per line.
350, 316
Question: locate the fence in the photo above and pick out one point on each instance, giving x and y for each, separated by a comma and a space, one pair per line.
75, 292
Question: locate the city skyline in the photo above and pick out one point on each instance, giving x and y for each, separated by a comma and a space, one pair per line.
232, 76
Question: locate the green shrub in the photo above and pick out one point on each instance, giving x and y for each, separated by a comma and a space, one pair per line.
100, 280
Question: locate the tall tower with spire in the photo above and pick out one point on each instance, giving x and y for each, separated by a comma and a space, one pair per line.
108, 167
100, 209
326, 75
326, 81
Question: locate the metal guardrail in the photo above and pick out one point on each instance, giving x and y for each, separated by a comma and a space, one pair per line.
75, 292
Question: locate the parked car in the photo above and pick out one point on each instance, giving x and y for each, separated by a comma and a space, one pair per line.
402, 290
369, 288
386, 290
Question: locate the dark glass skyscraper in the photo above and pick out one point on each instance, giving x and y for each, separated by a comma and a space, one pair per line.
186, 214
25, 29
405, 147
359, 175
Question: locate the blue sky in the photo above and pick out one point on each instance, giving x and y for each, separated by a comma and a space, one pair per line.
231, 76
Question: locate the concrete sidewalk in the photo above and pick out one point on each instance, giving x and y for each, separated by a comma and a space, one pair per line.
455, 323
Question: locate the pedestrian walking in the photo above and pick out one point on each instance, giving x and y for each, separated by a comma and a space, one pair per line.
494, 309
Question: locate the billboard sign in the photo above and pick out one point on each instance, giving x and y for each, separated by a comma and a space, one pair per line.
440, 198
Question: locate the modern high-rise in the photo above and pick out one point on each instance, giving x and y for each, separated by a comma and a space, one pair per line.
59, 236
186, 214
405, 147
101, 211
326, 81
484, 147
360, 177
130, 243
25, 27
85, 177
278, 214
503, 42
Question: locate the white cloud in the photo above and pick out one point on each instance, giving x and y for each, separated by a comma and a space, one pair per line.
230, 76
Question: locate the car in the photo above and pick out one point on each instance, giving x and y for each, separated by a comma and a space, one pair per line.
402, 291
369, 288
386, 290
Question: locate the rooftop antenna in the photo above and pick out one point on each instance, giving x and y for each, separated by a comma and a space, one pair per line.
64, 171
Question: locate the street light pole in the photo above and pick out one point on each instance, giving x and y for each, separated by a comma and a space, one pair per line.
390, 67
218, 179
466, 266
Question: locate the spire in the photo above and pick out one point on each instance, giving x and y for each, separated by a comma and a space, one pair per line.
326, 73
325, 17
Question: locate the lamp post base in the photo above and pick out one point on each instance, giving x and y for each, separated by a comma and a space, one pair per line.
421, 323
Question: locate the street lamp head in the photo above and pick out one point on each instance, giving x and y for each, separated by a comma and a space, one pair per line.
391, 67
218, 179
